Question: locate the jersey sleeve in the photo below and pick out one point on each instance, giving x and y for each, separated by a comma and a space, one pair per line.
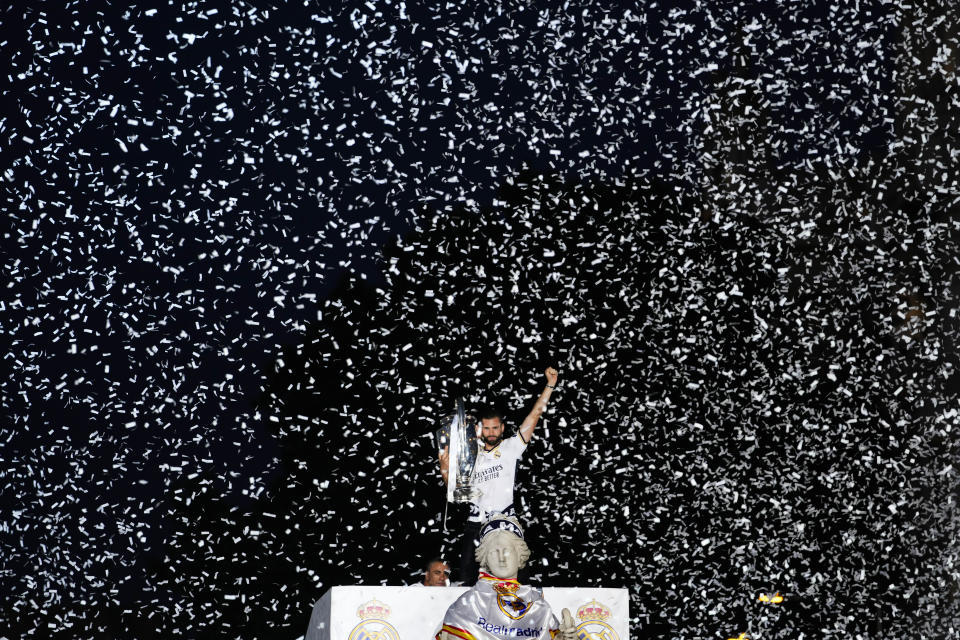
516, 445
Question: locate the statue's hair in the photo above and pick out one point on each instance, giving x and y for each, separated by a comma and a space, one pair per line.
486, 546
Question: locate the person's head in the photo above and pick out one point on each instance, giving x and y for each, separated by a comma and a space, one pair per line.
502, 551
435, 573
491, 426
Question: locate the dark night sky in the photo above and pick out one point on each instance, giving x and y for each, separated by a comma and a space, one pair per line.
253, 253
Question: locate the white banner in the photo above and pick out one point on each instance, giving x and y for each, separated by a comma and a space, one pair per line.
415, 613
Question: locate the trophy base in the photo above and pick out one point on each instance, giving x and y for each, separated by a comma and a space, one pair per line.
466, 494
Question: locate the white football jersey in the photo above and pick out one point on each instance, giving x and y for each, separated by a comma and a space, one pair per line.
493, 474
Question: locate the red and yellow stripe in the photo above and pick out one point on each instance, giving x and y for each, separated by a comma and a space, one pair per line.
455, 631
508, 582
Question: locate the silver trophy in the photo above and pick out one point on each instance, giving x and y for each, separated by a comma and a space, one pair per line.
459, 431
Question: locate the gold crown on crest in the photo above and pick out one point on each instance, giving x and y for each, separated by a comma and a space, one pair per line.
593, 610
373, 609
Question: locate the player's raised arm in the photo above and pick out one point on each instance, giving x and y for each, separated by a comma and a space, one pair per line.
530, 423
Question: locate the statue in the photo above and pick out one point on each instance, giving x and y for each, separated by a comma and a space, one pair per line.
497, 605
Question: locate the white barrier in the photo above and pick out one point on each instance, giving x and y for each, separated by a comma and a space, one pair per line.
415, 613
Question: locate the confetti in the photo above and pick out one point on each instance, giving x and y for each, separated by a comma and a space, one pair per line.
252, 253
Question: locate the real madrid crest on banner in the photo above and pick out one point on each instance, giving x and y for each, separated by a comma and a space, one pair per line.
374, 625
593, 626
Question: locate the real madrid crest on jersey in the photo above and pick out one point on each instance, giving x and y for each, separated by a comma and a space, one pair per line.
593, 626
495, 452
374, 615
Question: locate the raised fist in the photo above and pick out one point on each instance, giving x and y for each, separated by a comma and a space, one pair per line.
551, 374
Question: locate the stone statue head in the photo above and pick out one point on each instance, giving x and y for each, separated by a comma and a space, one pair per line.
502, 551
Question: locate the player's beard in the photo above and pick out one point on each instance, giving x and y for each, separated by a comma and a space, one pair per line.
492, 441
